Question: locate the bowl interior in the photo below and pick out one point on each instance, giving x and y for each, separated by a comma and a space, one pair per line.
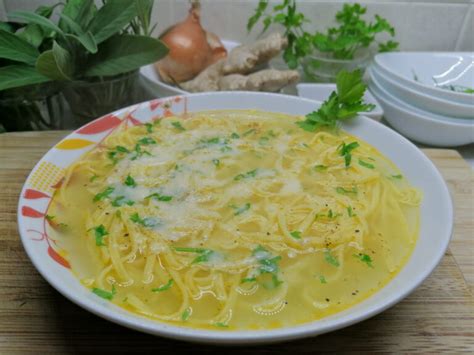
435, 228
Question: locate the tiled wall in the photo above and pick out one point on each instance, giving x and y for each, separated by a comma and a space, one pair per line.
432, 25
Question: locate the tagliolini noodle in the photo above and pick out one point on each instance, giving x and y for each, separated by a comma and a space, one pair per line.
235, 220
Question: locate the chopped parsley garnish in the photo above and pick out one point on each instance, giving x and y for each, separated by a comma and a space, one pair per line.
122, 200
345, 151
138, 152
248, 174
129, 181
100, 232
330, 214
342, 104
215, 140
148, 222
149, 127
234, 136
250, 131
221, 325
105, 294
159, 197
320, 168
216, 162
263, 140
350, 212
343, 191
296, 234
239, 210
104, 194
117, 153
203, 256
366, 165
49, 217
93, 178
399, 176
164, 287
186, 314
146, 141
178, 125
268, 264
330, 258
322, 279
365, 259
248, 279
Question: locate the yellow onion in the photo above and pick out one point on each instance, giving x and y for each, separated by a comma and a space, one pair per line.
191, 49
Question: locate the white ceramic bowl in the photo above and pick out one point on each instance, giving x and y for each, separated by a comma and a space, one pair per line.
421, 100
419, 125
321, 92
419, 70
156, 88
435, 227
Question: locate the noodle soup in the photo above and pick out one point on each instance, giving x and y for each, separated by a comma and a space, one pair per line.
235, 220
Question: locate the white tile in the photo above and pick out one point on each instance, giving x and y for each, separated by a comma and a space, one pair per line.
466, 36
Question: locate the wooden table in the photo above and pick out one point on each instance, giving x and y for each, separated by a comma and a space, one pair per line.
438, 316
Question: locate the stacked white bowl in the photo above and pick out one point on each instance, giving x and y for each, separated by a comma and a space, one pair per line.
426, 96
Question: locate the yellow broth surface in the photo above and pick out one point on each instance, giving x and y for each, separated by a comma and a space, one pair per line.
234, 220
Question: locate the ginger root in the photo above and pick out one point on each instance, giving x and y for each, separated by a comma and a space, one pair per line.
244, 58
207, 80
228, 73
263, 80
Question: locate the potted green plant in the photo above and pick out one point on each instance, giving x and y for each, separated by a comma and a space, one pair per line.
28, 99
321, 55
96, 53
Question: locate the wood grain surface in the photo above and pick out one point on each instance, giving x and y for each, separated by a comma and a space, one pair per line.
34, 318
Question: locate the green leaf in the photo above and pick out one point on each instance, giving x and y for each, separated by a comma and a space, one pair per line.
17, 49
350, 88
86, 39
5, 26
124, 53
100, 232
148, 222
322, 279
330, 258
111, 19
178, 125
239, 210
31, 17
164, 287
186, 314
13, 76
160, 197
104, 194
129, 181
105, 294
296, 234
366, 164
56, 63
365, 259
81, 11
248, 174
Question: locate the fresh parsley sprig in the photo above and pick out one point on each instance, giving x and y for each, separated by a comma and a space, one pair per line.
340, 42
343, 104
353, 33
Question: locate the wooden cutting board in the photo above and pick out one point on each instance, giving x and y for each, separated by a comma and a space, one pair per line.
438, 316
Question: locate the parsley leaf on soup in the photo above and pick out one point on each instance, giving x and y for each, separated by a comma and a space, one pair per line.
343, 104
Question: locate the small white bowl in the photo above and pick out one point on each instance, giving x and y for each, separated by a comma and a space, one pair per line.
421, 100
321, 92
419, 70
422, 126
436, 214
157, 88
